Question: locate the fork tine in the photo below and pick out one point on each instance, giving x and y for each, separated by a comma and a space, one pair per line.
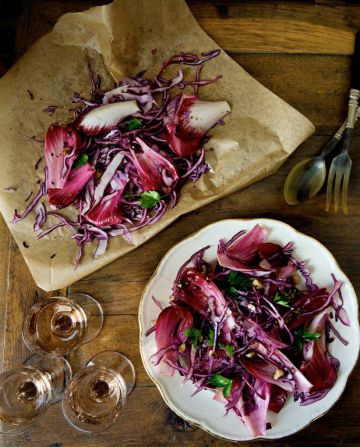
329, 185
345, 190
338, 178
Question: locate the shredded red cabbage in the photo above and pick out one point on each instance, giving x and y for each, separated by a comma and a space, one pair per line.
255, 328
125, 158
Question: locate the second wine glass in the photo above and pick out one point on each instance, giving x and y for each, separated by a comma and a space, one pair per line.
59, 325
94, 398
27, 391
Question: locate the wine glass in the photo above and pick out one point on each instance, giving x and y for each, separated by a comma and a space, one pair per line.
58, 325
26, 391
93, 400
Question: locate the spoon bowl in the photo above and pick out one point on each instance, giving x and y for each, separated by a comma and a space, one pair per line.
305, 180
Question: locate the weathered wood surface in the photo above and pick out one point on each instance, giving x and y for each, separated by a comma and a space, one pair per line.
301, 51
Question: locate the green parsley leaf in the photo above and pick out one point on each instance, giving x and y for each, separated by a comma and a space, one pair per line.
134, 123
302, 335
80, 161
230, 349
283, 303
311, 335
221, 382
282, 300
232, 291
210, 340
193, 333
149, 199
238, 281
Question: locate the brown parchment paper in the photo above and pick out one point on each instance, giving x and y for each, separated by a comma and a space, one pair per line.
117, 40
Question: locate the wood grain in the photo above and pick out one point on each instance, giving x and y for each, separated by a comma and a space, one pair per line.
237, 26
307, 63
283, 27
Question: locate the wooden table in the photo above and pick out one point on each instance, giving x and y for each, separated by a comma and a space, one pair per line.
301, 51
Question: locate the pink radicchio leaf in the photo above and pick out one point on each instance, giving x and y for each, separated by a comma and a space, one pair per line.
107, 211
255, 330
278, 398
169, 335
62, 147
273, 254
286, 271
269, 363
253, 411
245, 247
241, 252
77, 179
106, 117
156, 171
310, 304
319, 366
190, 121
195, 289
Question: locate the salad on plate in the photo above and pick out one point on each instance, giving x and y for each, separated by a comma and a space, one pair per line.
254, 328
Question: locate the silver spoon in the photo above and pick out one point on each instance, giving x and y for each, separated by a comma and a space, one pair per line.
306, 178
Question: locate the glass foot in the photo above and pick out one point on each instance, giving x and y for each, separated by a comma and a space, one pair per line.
58, 371
115, 361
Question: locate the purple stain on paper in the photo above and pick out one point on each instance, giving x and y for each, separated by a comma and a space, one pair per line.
50, 109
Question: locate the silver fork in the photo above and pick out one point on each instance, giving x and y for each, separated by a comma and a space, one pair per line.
340, 168
339, 173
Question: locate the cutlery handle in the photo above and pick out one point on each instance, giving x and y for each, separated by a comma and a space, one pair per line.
334, 141
332, 144
355, 84
355, 68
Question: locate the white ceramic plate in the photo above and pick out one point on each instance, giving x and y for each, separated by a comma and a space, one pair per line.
201, 409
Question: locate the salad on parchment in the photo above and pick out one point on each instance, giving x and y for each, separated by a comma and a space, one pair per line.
126, 155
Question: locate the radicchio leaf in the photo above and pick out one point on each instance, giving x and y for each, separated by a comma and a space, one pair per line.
273, 254
62, 147
253, 410
106, 117
310, 304
194, 289
107, 210
76, 180
319, 366
266, 366
250, 404
171, 324
156, 171
189, 122
278, 398
241, 252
